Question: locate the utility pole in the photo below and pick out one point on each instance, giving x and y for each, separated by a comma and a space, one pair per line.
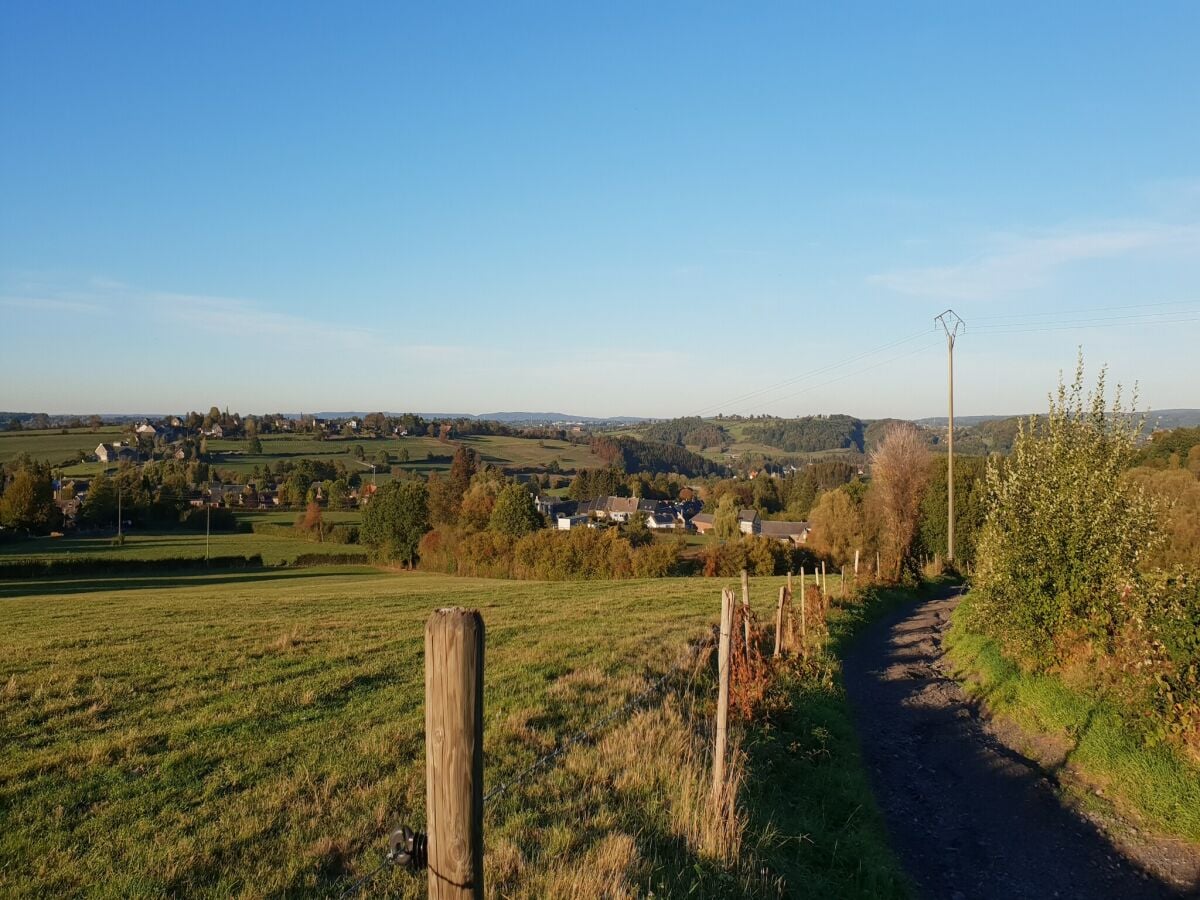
951, 324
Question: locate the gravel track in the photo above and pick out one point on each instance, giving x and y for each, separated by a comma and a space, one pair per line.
969, 816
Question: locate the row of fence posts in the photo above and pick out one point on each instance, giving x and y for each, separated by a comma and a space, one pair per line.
454, 660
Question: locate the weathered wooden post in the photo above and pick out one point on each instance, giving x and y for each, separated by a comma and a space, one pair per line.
779, 621
876, 565
824, 583
856, 567
722, 693
454, 640
746, 610
843, 582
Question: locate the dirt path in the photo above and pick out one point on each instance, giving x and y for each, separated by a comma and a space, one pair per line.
969, 816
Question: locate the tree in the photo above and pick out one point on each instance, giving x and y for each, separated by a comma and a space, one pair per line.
395, 520
339, 494
313, 520
837, 526
358, 452
100, 505
899, 473
970, 507
514, 513
28, 500
256, 445
725, 519
1064, 531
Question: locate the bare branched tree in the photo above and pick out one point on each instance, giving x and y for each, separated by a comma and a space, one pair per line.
899, 474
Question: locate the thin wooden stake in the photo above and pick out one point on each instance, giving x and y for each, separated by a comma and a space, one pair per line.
803, 616
722, 693
454, 642
843, 582
746, 609
779, 621
856, 565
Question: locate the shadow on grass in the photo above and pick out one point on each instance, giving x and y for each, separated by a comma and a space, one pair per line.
200, 577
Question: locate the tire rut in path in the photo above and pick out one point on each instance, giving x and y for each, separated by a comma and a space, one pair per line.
968, 816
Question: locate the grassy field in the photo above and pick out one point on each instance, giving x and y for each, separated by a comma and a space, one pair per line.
51, 445
148, 544
1150, 782
425, 453
258, 734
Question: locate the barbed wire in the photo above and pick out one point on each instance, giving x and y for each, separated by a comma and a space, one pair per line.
544, 761
585, 735
365, 879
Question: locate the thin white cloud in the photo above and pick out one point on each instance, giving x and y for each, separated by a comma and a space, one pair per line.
244, 319
51, 305
1018, 263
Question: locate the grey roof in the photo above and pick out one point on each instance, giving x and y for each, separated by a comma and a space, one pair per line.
748, 515
784, 529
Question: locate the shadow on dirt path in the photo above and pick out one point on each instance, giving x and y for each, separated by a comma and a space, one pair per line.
968, 816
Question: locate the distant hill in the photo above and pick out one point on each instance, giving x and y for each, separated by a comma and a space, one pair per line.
1173, 418
1155, 419
543, 417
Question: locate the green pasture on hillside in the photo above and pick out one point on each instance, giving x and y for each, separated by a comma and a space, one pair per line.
258, 734
149, 544
51, 445
425, 453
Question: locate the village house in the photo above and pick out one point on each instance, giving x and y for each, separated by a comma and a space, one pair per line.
566, 523
661, 521
793, 532
115, 452
748, 521
702, 522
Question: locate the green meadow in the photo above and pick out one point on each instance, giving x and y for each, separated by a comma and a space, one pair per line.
258, 734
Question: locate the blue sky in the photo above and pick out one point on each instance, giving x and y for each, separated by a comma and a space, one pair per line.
640, 209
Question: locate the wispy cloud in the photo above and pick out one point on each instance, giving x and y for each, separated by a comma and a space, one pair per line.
248, 320
51, 305
1016, 262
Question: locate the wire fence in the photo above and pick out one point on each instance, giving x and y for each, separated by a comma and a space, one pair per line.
407, 847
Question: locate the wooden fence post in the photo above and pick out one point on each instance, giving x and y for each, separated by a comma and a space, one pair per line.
722, 693
746, 610
779, 621
876, 565
843, 582
454, 640
824, 582
856, 565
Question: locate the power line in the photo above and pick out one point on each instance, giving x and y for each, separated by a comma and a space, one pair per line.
1085, 311
855, 372
818, 371
1149, 318
1021, 327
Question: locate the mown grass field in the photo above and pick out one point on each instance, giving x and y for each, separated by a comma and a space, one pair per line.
149, 544
425, 454
258, 734
51, 445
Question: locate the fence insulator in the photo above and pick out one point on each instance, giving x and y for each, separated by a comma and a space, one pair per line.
409, 848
